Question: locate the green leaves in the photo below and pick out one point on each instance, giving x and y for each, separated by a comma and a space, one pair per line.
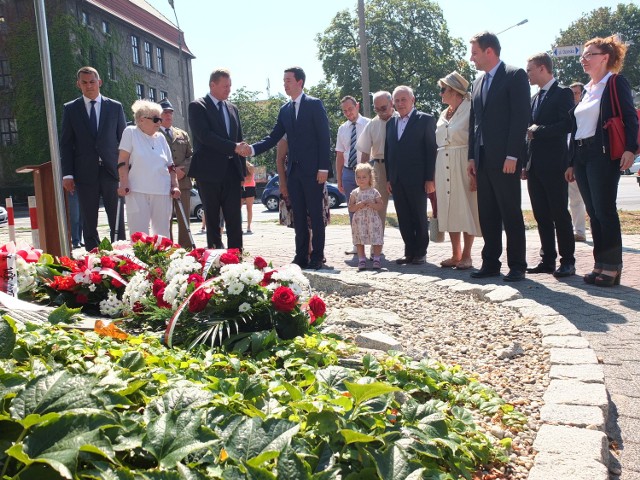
7, 336
63, 314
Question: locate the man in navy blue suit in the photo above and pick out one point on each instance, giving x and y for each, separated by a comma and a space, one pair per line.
92, 126
304, 121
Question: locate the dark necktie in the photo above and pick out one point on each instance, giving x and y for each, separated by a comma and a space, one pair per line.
221, 114
353, 154
293, 112
485, 88
167, 132
93, 118
538, 103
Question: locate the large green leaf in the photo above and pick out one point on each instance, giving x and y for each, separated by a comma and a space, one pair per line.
174, 435
63, 314
351, 436
334, 376
59, 442
181, 397
55, 392
363, 392
292, 466
394, 464
132, 361
248, 438
10, 383
7, 336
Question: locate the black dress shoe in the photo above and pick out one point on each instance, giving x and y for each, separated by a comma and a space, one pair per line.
300, 263
542, 268
404, 260
514, 276
419, 260
565, 271
318, 266
485, 273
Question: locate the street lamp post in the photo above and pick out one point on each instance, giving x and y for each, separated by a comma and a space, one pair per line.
180, 66
512, 26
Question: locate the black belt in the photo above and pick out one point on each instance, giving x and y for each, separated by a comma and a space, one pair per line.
379, 160
586, 142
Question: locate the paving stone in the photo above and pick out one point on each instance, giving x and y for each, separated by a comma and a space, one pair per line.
576, 443
449, 282
561, 327
630, 458
377, 340
572, 356
630, 428
565, 341
559, 467
365, 317
623, 387
540, 310
573, 392
521, 303
572, 415
589, 373
626, 406
502, 294
424, 279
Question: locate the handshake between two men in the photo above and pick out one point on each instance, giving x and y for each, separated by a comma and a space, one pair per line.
243, 149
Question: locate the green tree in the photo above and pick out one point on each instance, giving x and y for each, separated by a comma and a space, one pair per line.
408, 41
602, 22
71, 46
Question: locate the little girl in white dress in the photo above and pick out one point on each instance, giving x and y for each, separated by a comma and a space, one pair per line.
366, 226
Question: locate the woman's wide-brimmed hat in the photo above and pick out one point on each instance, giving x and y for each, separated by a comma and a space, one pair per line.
456, 82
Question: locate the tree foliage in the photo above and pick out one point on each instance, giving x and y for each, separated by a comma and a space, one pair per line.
71, 46
408, 43
602, 22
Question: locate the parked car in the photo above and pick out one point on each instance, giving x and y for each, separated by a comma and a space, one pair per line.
4, 216
635, 168
271, 195
196, 205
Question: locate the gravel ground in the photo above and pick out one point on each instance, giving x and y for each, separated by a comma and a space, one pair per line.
456, 328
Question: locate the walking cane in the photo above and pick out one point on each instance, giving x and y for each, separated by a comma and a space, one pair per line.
116, 236
179, 208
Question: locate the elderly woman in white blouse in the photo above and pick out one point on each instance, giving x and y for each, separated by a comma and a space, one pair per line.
147, 173
456, 197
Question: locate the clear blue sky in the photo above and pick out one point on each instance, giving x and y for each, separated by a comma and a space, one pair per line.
257, 39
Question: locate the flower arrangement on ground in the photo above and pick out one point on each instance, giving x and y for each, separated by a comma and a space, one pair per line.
200, 296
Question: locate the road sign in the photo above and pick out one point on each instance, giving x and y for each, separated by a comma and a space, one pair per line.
569, 51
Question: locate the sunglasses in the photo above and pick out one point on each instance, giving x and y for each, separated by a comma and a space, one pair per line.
154, 119
382, 109
443, 89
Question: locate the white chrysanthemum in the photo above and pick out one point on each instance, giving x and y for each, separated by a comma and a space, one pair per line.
92, 287
251, 276
244, 307
235, 288
79, 253
176, 290
111, 306
26, 274
178, 253
182, 265
137, 289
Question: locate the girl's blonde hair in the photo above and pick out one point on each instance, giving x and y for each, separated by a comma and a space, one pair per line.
369, 169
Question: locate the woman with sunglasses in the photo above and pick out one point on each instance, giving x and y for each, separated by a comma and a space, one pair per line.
456, 196
591, 165
147, 174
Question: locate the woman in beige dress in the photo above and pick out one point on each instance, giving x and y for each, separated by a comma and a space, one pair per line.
456, 196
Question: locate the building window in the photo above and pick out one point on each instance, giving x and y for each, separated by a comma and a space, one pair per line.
106, 28
86, 19
160, 61
8, 131
148, 60
152, 94
139, 91
111, 70
5, 74
163, 95
135, 49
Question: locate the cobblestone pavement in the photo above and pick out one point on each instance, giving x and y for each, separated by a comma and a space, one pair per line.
609, 318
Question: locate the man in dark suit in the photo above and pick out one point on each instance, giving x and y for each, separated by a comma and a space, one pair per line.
216, 164
548, 160
497, 128
92, 126
410, 159
304, 120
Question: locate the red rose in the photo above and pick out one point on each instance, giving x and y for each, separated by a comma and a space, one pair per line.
107, 262
229, 258
266, 280
165, 243
284, 300
138, 307
82, 298
259, 263
317, 306
138, 237
195, 279
235, 251
158, 285
199, 300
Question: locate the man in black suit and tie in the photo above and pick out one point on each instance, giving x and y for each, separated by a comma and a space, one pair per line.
548, 160
498, 123
410, 159
216, 164
304, 120
92, 127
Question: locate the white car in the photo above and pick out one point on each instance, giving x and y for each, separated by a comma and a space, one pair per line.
635, 168
4, 216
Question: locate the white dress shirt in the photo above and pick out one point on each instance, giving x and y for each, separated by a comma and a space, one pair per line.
343, 141
588, 110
